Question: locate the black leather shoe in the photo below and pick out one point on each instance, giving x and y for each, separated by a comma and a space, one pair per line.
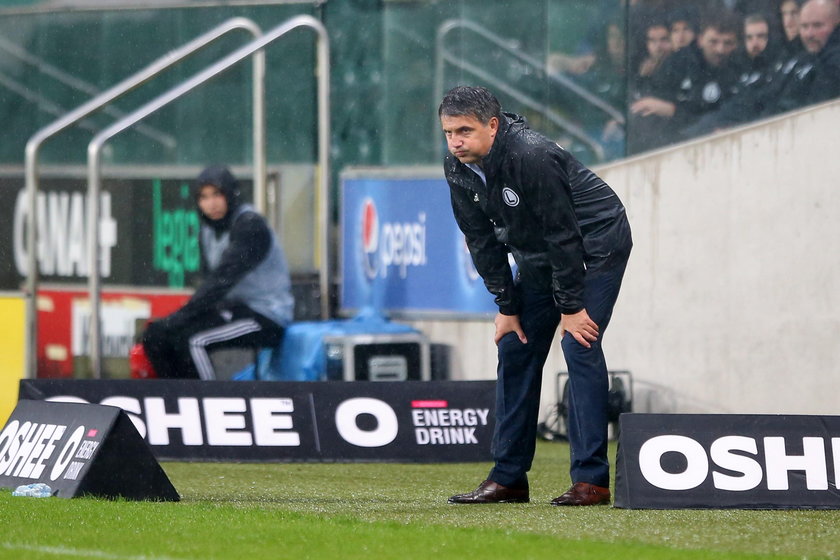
584, 494
489, 492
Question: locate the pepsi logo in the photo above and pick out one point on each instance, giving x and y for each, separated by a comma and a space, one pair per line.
370, 237
397, 246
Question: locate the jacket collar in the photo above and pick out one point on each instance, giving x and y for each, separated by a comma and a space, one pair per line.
832, 46
509, 125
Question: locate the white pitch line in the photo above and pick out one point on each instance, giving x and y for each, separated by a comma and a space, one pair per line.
80, 553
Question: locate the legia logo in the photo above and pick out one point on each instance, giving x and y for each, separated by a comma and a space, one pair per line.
711, 92
510, 197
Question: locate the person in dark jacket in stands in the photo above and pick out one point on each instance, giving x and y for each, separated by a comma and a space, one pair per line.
245, 299
817, 77
789, 17
515, 191
658, 48
807, 76
683, 27
691, 82
760, 52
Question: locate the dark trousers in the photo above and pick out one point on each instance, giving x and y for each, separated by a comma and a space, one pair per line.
178, 345
520, 375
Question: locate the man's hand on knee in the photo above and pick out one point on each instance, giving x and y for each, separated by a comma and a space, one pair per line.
580, 326
506, 324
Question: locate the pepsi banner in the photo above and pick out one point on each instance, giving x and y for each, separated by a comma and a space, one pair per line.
402, 250
671, 461
424, 421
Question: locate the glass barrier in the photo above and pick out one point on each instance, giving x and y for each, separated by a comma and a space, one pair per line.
605, 78
52, 62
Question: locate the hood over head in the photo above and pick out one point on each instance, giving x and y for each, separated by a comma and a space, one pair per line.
220, 177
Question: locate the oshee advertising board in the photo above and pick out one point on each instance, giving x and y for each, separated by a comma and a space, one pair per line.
668, 461
443, 421
402, 251
77, 450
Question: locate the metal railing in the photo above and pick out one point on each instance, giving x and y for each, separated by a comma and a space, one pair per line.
72, 82
95, 149
443, 56
101, 100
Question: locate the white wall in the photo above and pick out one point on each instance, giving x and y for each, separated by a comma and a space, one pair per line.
731, 302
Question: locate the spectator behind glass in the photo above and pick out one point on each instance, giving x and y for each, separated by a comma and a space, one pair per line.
789, 17
683, 28
756, 35
811, 75
691, 82
606, 79
789, 13
760, 53
657, 48
817, 77
591, 48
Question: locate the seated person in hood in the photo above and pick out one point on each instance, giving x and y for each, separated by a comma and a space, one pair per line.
245, 299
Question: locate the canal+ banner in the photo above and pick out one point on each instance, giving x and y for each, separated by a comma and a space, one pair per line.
192, 420
745, 461
402, 250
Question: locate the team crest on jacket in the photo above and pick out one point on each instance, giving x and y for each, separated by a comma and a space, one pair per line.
510, 197
711, 92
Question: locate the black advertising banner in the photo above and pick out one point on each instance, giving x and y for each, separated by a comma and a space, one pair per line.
423, 421
671, 461
78, 450
148, 231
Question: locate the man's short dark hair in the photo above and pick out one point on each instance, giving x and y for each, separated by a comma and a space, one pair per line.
470, 101
684, 14
757, 17
724, 23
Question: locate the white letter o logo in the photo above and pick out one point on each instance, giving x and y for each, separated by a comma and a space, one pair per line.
386, 422
67, 453
650, 456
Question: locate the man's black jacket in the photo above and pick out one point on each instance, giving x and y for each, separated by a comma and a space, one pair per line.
541, 204
815, 79
695, 87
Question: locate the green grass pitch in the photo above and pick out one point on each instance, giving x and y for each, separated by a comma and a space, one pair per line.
384, 510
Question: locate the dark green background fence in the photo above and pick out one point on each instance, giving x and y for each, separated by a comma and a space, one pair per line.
383, 74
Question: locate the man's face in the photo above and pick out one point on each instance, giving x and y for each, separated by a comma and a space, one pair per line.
816, 23
756, 36
615, 42
212, 202
658, 42
681, 35
717, 46
467, 138
790, 19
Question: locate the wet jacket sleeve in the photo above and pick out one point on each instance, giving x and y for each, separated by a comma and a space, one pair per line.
544, 173
250, 242
490, 257
827, 81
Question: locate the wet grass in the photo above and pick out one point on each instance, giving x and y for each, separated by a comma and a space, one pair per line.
379, 510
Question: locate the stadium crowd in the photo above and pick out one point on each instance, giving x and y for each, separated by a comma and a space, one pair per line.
691, 68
